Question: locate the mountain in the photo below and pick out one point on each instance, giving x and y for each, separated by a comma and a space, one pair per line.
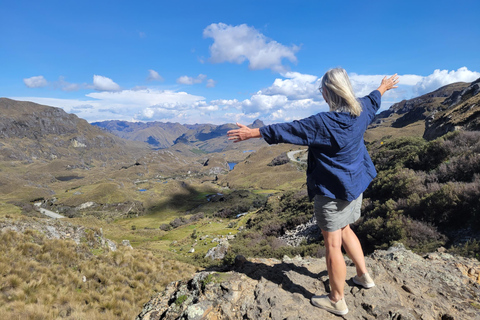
408, 286
30, 131
213, 138
414, 116
44, 150
462, 113
156, 134
420, 107
205, 137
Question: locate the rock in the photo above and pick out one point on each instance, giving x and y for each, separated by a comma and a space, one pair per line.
305, 232
272, 289
85, 205
218, 252
111, 245
192, 250
126, 243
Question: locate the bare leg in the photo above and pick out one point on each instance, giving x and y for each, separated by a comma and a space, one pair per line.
337, 270
352, 246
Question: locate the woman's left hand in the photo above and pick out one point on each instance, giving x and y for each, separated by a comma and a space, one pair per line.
388, 84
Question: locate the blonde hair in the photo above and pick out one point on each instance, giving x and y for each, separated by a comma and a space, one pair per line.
338, 92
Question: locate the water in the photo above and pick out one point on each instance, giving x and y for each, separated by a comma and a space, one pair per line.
231, 165
68, 178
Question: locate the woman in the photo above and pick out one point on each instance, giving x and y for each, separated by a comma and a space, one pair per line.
339, 170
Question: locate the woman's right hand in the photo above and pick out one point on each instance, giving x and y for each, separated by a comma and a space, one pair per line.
388, 83
243, 133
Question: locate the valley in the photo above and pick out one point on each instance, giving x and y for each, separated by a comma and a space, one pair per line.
143, 208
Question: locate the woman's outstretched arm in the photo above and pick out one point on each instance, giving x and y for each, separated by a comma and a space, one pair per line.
243, 133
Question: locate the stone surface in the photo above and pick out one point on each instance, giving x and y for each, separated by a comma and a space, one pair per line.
218, 252
408, 286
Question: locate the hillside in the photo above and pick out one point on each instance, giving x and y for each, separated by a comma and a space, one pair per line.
462, 113
30, 131
407, 117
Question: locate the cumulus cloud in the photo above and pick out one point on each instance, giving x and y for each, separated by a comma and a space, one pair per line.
295, 86
101, 83
290, 96
411, 85
190, 80
440, 78
35, 82
154, 76
237, 44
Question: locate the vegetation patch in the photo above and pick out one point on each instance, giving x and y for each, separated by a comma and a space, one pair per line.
44, 278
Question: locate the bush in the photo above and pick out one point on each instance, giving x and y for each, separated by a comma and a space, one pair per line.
165, 227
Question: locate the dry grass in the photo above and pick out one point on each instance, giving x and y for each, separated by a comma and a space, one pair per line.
379, 132
254, 172
44, 278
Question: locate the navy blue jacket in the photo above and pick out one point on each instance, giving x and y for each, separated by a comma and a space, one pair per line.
339, 166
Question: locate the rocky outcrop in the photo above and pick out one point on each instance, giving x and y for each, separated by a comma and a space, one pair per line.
463, 113
408, 286
309, 232
418, 108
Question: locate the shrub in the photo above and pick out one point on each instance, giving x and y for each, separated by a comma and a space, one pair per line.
165, 227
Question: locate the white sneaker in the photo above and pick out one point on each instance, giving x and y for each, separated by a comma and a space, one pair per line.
324, 302
365, 281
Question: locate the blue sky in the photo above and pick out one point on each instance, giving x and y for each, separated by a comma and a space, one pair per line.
226, 61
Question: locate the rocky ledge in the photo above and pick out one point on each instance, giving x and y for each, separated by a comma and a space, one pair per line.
408, 286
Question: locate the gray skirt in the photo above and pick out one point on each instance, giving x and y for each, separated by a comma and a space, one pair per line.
334, 214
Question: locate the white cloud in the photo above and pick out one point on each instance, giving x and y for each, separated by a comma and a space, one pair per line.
209, 108
289, 97
296, 86
154, 76
440, 78
236, 44
410, 85
102, 83
211, 83
190, 80
35, 82
146, 97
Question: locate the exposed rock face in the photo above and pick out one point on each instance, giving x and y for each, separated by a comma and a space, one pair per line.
56, 229
278, 161
408, 286
218, 252
420, 107
463, 113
